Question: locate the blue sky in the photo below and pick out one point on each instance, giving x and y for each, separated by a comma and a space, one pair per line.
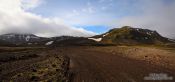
93, 15
99, 29
88, 9
85, 17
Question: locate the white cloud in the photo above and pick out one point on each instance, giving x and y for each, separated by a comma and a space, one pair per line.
14, 19
89, 9
155, 15
29, 4
72, 14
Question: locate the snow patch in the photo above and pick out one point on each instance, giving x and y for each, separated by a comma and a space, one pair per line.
105, 34
152, 32
148, 33
172, 40
49, 43
96, 39
27, 38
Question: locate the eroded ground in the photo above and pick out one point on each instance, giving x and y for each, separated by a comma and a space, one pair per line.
32, 64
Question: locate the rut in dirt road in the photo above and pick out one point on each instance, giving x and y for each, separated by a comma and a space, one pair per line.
93, 66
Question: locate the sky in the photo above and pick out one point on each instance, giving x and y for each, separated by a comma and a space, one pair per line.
85, 17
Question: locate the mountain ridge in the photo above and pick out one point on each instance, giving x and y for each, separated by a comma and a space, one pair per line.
125, 35
130, 35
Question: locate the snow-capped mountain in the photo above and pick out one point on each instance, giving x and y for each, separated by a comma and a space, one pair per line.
33, 40
19, 38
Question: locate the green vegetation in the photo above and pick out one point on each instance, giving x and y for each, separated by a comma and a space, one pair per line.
129, 35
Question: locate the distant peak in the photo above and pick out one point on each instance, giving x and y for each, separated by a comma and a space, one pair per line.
127, 27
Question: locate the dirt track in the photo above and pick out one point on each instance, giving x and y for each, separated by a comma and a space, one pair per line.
87, 64
97, 66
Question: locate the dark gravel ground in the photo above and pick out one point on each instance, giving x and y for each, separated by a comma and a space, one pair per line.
33, 65
88, 65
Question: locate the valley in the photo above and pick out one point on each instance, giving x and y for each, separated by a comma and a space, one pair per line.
87, 63
87, 41
120, 55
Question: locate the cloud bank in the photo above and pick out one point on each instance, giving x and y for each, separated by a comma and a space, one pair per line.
154, 14
15, 19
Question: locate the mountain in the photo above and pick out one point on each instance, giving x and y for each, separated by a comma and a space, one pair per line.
18, 39
130, 35
71, 41
126, 35
33, 40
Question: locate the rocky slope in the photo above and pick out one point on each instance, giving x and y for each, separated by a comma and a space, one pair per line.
130, 35
19, 38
